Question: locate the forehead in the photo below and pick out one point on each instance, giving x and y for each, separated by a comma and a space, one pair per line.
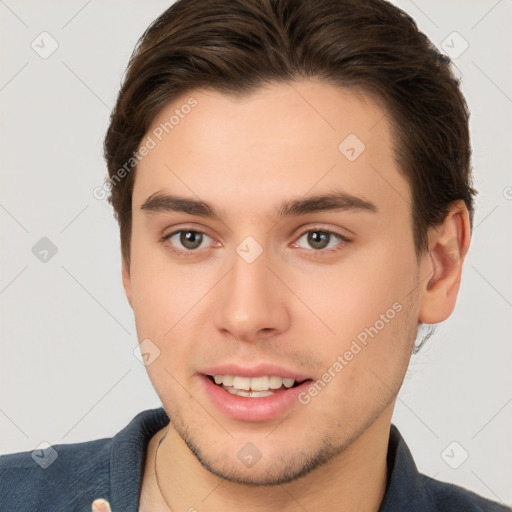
283, 140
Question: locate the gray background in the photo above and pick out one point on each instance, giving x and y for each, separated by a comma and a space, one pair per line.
67, 369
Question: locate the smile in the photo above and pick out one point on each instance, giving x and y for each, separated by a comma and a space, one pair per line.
254, 387
259, 395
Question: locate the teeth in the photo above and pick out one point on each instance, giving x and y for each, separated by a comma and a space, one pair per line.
288, 383
259, 383
275, 382
262, 384
253, 394
242, 383
227, 380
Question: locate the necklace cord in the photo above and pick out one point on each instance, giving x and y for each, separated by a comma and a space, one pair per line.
156, 472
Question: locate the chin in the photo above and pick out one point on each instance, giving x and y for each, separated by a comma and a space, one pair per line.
283, 469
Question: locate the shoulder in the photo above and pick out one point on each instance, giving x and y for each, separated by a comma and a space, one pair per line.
447, 497
62, 473
68, 477
408, 489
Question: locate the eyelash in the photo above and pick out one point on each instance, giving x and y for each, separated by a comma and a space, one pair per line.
343, 240
181, 252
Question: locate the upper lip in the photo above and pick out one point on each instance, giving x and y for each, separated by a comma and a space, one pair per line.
260, 370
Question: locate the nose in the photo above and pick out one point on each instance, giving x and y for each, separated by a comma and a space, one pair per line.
251, 304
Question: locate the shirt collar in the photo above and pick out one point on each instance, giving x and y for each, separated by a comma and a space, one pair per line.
404, 490
128, 455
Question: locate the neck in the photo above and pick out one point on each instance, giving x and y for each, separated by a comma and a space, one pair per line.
354, 480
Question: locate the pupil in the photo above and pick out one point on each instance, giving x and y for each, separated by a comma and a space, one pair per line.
318, 239
191, 239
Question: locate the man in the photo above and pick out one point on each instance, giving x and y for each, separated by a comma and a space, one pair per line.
292, 183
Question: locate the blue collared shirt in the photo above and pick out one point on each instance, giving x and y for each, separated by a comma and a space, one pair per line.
69, 477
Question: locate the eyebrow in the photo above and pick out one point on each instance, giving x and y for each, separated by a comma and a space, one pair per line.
336, 201
160, 202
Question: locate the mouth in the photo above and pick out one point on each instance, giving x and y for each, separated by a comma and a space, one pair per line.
257, 395
254, 387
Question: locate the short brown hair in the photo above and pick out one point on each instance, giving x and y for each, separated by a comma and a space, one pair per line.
237, 46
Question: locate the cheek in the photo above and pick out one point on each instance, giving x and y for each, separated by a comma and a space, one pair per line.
352, 295
366, 362
162, 292
372, 315
152, 300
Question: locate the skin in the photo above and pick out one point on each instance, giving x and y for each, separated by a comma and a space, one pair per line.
296, 305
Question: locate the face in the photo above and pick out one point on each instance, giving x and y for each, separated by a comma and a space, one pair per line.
268, 243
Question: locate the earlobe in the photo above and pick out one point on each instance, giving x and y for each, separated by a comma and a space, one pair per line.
448, 245
127, 282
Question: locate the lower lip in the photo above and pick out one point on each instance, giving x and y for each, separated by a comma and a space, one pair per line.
253, 409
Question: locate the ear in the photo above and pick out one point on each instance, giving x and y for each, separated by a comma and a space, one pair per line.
448, 245
127, 281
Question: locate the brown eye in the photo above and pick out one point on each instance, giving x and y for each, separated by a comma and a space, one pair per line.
191, 239
318, 239
187, 240
321, 241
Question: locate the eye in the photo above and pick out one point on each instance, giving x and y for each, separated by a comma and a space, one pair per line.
188, 240
320, 240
